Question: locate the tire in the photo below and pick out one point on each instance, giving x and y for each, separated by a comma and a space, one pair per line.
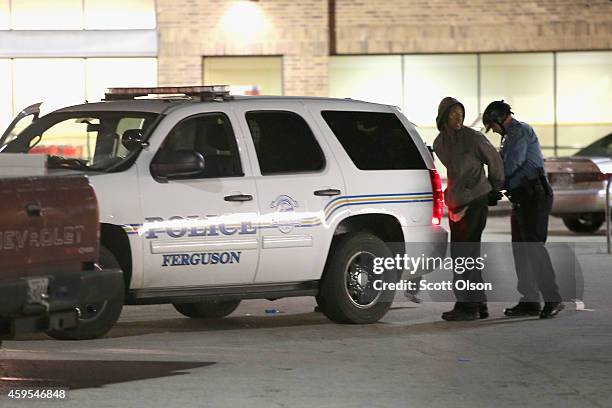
585, 223
97, 319
212, 309
342, 296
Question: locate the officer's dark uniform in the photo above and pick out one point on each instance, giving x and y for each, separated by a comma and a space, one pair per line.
532, 200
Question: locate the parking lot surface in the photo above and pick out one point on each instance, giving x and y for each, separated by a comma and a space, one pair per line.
283, 354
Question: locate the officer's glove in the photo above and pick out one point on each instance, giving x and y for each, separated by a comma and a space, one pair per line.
494, 197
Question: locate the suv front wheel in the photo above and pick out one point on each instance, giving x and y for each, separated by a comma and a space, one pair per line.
348, 293
96, 319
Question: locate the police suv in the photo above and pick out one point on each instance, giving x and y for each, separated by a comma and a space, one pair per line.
207, 199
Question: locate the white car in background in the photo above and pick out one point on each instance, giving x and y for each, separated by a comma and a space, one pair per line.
579, 184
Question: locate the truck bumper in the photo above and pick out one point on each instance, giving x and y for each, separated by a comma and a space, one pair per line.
567, 202
23, 311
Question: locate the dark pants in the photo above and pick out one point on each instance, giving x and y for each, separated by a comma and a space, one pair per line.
465, 242
534, 270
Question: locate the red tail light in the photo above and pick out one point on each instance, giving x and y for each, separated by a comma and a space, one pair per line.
438, 198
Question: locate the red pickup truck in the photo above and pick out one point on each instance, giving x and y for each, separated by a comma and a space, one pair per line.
52, 273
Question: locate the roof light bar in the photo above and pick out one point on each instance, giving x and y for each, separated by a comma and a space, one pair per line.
204, 93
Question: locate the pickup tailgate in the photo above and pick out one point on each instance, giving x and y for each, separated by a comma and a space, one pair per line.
47, 225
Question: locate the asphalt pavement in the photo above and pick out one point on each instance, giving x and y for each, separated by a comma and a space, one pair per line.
283, 354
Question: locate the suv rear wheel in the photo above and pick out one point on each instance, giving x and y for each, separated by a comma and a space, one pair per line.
213, 309
95, 320
347, 293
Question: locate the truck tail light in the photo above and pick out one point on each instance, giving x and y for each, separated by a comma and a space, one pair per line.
438, 198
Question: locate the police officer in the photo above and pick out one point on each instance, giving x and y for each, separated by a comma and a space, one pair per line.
531, 196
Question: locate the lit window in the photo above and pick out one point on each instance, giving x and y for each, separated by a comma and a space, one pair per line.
245, 75
47, 15
105, 73
371, 78
584, 97
429, 78
119, 14
58, 82
4, 15
526, 82
77, 14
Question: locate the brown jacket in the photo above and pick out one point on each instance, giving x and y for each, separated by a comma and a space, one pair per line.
464, 153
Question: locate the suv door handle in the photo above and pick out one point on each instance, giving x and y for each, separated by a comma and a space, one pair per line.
327, 192
239, 197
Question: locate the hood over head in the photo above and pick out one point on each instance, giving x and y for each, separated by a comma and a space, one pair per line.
445, 105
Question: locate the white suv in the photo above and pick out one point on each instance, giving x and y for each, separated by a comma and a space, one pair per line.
207, 199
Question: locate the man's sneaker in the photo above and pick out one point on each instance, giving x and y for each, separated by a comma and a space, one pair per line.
523, 309
551, 309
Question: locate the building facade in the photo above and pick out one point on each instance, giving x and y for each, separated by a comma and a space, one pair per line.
551, 59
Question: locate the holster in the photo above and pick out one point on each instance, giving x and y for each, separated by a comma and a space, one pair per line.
545, 184
531, 189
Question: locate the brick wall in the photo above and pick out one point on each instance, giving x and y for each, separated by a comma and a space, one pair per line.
437, 26
297, 30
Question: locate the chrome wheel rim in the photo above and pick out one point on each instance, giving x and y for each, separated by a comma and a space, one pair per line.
359, 280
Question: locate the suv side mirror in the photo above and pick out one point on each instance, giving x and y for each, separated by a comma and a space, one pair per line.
133, 139
180, 163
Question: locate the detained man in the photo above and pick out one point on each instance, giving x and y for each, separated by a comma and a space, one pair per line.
464, 152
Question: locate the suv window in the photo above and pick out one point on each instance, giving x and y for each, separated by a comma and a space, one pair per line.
212, 136
374, 141
284, 143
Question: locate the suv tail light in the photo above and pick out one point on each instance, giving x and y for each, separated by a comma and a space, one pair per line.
438, 198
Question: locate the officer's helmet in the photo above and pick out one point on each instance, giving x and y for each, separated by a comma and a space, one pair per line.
496, 112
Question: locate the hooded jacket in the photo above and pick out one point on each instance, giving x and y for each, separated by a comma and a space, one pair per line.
464, 154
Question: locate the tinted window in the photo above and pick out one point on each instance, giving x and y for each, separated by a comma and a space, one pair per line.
284, 143
374, 141
212, 136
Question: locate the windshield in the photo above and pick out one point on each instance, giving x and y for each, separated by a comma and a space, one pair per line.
600, 148
81, 140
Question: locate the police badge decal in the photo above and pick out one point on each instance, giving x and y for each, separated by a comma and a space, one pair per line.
283, 221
